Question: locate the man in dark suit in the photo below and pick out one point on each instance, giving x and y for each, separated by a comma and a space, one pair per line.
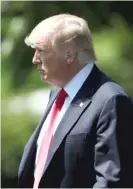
88, 143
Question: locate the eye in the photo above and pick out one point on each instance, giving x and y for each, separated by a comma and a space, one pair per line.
39, 50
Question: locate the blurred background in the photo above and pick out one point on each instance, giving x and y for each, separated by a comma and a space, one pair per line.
24, 95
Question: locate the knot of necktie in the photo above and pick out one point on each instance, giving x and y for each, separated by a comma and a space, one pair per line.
61, 98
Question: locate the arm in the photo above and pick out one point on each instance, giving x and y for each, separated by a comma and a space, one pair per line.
114, 147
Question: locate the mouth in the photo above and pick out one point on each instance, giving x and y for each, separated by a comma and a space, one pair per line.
42, 71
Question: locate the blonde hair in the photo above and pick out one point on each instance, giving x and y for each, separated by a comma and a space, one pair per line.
65, 31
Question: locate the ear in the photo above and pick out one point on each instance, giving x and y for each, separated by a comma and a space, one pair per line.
70, 57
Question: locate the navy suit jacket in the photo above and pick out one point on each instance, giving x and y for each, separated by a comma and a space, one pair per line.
93, 144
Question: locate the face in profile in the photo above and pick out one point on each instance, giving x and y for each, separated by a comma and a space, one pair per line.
50, 65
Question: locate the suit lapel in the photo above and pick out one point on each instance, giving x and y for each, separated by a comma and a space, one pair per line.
30, 147
69, 120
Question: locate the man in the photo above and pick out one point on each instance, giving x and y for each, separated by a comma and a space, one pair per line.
85, 137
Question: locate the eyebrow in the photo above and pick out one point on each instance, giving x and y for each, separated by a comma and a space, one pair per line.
40, 46
42, 49
35, 46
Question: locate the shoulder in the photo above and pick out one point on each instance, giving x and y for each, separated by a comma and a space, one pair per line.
111, 97
109, 90
104, 86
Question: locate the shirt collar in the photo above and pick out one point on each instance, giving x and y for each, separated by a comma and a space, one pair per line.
75, 84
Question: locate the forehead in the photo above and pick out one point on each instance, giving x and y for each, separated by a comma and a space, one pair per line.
41, 42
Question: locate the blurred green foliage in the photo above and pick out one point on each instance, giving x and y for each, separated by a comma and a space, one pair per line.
15, 131
111, 24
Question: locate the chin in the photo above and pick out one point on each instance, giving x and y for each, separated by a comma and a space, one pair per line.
45, 80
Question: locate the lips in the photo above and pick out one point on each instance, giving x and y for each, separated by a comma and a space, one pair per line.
40, 70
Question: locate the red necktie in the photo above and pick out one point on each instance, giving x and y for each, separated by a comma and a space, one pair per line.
45, 144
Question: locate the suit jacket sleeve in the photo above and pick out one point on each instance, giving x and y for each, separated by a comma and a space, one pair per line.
114, 146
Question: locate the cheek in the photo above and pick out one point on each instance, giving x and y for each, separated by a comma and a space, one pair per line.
52, 65
45, 63
61, 67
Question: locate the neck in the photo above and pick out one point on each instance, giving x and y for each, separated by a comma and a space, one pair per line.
72, 73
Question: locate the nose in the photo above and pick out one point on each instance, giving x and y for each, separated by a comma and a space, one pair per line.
36, 59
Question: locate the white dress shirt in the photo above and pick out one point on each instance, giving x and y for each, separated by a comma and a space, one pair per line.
71, 88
